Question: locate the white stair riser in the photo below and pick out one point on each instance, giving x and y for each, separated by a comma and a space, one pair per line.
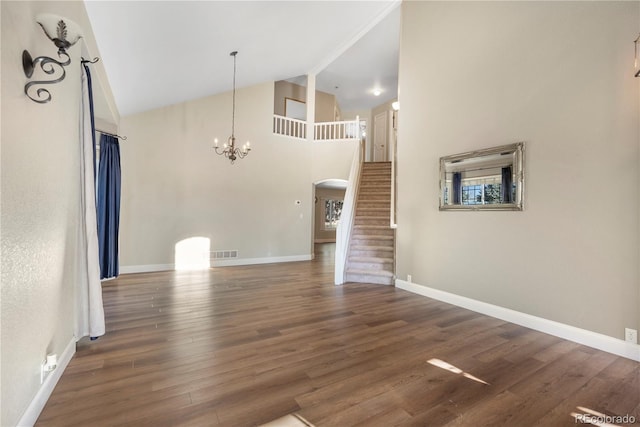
364, 211
382, 220
378, 198
373, 242
372, 253
358, 265
378, 204
376, 179
360, 232
361, 278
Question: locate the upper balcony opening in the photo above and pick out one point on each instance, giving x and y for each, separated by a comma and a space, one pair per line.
290, 111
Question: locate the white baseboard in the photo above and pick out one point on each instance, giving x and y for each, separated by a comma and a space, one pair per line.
36, 406
325, 240
265, 260
581, 336
150, 268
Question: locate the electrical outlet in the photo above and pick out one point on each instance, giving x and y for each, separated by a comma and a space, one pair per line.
631, 335
48, 366
409, 278
43, 372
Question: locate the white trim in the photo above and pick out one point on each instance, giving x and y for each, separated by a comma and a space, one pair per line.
265, 260
325, 240
343, 232
149, 268
36, 406
581, 336
357, 36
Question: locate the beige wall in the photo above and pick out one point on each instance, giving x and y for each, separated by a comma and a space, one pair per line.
559, 76
322, 194
325, 102
176, 187
40, 204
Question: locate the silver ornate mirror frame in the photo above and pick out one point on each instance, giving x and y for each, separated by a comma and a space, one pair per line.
484, 172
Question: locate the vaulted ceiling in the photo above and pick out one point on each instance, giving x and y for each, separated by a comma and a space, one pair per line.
158, 53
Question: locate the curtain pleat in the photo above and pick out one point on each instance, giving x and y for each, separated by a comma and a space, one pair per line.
507, 184
109, 205
457, 188
89, 307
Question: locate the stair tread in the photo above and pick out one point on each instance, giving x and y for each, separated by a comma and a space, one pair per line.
357, 247
371, 246
357, 258
383, 273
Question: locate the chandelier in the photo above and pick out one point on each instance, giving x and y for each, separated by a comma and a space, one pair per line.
229, 149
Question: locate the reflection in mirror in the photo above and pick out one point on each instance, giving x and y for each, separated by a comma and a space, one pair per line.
489, 179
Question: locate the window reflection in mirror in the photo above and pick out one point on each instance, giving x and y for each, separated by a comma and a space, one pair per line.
489, 179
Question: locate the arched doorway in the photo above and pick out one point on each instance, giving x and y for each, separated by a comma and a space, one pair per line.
328, 195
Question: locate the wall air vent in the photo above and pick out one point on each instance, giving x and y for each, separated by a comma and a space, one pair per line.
226, 254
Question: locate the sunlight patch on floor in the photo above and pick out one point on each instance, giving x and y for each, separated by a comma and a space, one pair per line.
193, 254
449, 367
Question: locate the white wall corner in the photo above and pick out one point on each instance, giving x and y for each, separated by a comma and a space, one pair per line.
36, 406
581, 336
263, 260
149, 268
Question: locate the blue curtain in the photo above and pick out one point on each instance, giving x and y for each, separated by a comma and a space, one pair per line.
507, 184
92, 119
108, 205
457, 188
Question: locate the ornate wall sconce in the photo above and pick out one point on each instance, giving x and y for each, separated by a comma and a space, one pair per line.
64, 33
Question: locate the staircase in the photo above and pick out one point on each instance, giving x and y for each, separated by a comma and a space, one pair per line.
372, 246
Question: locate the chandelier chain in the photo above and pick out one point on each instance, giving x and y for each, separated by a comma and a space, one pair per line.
233, 111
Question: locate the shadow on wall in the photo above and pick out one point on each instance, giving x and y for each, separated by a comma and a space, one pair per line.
193, 254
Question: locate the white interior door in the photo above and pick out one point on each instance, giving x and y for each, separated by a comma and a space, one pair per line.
380, 137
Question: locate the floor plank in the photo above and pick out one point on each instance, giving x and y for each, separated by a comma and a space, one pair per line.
241, 346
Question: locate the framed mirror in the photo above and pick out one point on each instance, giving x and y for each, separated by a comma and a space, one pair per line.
488, 179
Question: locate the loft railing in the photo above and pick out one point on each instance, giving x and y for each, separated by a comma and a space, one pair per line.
337, 131
348, 130
286, 126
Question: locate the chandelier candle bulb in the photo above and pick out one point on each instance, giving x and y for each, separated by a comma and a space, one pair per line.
215, 142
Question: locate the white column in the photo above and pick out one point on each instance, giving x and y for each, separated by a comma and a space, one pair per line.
311, 105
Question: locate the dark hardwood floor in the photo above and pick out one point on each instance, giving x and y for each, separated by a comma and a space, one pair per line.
241, 346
